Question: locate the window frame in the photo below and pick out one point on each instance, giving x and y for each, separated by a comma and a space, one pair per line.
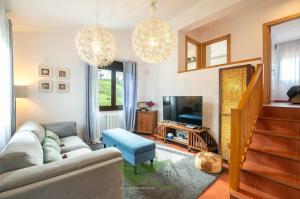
115, 67
198, 53
216, 40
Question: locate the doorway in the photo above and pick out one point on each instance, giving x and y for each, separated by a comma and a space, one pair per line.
281, 43
285, 59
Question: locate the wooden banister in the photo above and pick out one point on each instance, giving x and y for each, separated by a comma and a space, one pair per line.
243, 120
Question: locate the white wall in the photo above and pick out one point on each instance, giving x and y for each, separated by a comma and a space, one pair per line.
246, 31
56, 49
154, 80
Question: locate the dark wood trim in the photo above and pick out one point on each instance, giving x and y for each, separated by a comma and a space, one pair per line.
267, 53
225, 37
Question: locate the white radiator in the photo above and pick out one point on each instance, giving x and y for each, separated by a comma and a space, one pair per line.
113, 120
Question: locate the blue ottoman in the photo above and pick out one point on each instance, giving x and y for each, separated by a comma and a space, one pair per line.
135, 149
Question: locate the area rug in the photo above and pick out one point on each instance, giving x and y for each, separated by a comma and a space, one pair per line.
173, 175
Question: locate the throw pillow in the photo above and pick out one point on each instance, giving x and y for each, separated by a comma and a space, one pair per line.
53, 136
51, 154
48, 142
62, 129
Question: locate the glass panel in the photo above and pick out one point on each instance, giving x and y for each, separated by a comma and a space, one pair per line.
119, 88
191, 56
104, 82
216, 53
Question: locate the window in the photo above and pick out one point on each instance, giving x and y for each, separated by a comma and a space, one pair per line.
111, 87
193, 53
217, 51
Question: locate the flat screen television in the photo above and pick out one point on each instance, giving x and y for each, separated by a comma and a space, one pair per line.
183, 109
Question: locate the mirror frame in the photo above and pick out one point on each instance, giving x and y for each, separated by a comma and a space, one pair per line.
227, 38
198, 54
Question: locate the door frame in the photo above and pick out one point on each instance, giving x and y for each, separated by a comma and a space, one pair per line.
267, 51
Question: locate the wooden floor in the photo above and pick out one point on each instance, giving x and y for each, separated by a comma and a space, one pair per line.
219, 189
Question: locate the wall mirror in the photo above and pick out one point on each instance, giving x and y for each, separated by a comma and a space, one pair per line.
217, 51
193, 54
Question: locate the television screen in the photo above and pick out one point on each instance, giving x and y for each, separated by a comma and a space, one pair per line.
184, 109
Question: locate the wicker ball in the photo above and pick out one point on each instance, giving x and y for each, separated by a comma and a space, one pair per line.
208, 162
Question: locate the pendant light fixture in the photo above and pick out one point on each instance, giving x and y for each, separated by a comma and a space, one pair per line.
96, 45
153, 39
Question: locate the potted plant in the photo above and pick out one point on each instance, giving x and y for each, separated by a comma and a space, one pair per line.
150, 104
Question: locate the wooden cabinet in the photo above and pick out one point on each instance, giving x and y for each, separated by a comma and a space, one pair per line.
198, 138
146, 121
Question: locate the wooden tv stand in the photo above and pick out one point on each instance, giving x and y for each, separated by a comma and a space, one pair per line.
197, 138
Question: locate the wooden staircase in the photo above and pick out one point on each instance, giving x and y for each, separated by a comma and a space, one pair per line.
272, 165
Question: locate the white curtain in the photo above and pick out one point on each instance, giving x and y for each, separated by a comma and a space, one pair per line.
6, 80
286, 68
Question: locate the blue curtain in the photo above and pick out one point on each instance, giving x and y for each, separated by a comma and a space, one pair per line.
130, 94
92, 132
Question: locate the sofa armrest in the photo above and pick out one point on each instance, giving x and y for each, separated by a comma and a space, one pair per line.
62, 129
22, 177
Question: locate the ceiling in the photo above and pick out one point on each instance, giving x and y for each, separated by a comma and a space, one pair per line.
41, 15
285, 32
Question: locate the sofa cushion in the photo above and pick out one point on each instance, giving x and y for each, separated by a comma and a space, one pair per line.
34, 127
51, 154
53, 136
72, 143
62, 129
77, 152
47, 142
23, 150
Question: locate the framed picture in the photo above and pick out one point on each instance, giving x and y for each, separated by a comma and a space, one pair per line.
63, 73
62, 87
45, 86
45, 71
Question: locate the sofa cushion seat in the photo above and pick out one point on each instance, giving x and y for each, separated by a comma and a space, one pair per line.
77, 152
72, 143
129, 141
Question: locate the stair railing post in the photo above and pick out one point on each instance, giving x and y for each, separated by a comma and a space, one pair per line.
235, 149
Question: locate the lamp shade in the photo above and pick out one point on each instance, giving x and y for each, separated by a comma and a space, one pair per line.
21, 91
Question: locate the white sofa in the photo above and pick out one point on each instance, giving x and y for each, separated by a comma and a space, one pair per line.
84, 174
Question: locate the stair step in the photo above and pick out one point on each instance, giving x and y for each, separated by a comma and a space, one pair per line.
275, 152
254, 193
280, 119
283, 111
239, 195
284, 127
277, 134
275, 143
271, 174
284, 165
